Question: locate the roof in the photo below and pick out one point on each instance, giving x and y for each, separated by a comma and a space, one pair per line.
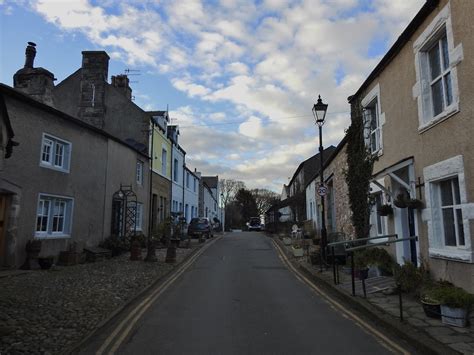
211, 181
192, 172
7, 90
328, 161
403, 39
311, 165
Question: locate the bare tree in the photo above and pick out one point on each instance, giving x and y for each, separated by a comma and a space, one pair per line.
265, 199
228, 188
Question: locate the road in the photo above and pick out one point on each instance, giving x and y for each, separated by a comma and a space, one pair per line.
240, 298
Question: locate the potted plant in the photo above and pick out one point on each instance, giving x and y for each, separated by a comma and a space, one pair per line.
385, 210
401, 201
46, 262
70, 256
455, 305
361, 265
297, 250
430, 302
408, 277
286, 241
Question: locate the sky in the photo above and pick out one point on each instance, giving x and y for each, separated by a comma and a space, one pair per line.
239, 77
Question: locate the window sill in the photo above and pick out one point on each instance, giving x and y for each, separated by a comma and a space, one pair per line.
459, 255
450, 111
47, 166
52, 236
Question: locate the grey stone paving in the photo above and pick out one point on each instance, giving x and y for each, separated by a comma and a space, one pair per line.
47, 311
459, 339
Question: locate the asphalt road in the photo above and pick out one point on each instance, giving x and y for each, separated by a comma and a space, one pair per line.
239, 298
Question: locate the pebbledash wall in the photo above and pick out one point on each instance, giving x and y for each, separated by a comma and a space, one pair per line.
423, 151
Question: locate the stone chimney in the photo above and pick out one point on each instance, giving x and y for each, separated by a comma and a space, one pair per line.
122, 82
94, 73
37, 83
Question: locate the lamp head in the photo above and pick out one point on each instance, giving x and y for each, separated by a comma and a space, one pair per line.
319, 111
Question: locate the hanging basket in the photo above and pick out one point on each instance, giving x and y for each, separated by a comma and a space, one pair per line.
401, 201
385, 210
415, 204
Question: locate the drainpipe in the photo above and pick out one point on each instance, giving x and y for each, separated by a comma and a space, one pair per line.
184, 172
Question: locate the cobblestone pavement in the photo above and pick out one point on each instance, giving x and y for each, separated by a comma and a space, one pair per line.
459, 339
47, 311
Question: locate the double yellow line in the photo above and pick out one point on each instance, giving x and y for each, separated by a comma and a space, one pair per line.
123, 329
381, 338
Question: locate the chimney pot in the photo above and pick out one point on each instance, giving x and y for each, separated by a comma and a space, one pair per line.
30, 54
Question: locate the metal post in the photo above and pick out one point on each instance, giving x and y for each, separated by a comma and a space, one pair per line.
353, 275
321, 179
400, 302
337, 273
333, 265
363, 288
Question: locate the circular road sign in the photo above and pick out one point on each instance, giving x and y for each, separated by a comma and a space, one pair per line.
322, 190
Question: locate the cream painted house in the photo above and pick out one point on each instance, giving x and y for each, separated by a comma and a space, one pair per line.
418, 108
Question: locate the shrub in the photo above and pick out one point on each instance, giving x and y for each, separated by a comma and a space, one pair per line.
375, 257
410, 278
452, 296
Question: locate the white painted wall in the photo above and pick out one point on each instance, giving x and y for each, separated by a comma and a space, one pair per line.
191, 195
177, 186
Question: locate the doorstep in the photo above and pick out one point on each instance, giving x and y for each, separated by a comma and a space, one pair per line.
427, 335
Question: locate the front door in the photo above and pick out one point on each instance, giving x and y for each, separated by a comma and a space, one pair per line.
3, 226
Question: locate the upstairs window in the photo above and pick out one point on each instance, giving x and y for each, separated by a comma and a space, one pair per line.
441, 89
175, 170
55, 153
139, 175
372, 126
163, 161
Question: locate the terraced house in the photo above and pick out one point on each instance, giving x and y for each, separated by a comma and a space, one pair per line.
418, 108
68, 169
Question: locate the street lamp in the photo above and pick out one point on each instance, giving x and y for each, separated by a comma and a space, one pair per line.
223, 214
319, 112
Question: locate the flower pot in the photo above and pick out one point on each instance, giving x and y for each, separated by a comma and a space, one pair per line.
297, 252
415, 204
46, 263
454, 316
287, 241
431, 309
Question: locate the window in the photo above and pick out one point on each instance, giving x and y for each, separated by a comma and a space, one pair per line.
194, 185
55, 153
138, 216
374, 119
163, 161
436, 59
448, 210
139, 172
187, 180
53, 216
372, 126
175, 170
451, 212
377, 222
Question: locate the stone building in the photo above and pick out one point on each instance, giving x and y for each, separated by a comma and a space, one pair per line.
418, 108
63, 181
337, 209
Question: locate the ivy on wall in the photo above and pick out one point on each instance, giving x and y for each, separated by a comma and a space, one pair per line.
359, 172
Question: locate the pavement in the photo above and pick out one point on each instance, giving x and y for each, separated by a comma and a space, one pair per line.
239, 297
426, 334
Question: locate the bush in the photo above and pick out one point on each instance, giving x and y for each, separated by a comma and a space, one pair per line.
116, 244
378, 257
452, 296
410, 278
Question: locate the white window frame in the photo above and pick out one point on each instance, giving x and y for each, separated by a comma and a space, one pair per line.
433, 175
164, 160
139, 172
376, 190
176, 170
422, 89
68, 204
54, 143
370, 100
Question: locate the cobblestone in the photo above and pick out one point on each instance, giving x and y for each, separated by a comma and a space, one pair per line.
45, 312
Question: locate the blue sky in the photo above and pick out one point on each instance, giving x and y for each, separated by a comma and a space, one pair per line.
239, 77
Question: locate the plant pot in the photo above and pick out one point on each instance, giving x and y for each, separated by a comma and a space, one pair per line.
415, 204
400, 203
287, 241
454, 316
297, 252
46, 263
431, 309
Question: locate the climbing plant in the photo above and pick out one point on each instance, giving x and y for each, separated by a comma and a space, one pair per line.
359, 171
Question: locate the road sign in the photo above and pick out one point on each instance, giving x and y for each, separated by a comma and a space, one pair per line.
322, 190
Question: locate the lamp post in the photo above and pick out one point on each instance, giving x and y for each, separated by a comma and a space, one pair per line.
223, 214
319, 112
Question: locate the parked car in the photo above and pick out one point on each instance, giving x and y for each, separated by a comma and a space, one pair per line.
254, 224
200, 227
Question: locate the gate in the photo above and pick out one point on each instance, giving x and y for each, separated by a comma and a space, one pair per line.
124, 212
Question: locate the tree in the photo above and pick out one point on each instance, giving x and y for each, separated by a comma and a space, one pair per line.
228, 188
264, 199
247, 204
